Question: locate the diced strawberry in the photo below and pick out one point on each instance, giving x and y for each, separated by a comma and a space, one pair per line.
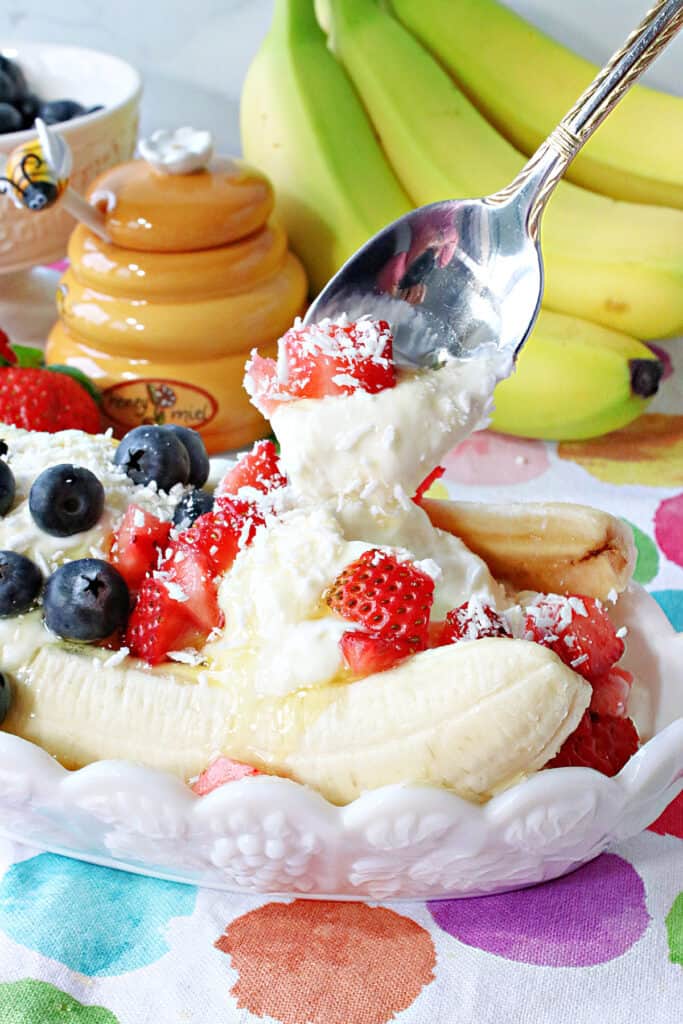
602, 742
220, 534
337, 359
611, 692
578, 629
136, 545
323, 359
261, 384
220, 771
389, 598
259, 468
365, 653
435, 475
473, 620
191, 571
158, 623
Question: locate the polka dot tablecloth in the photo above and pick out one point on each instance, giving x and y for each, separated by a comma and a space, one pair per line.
81, 944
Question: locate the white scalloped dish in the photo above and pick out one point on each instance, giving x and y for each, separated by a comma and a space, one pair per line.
383, 777
272, 835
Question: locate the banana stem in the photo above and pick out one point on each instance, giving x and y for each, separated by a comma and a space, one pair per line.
296, 15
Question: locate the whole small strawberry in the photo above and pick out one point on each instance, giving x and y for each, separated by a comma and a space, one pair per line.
49, 399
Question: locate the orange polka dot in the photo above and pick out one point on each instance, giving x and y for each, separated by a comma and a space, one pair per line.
327, 963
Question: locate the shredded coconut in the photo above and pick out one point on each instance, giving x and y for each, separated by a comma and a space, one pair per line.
116, 658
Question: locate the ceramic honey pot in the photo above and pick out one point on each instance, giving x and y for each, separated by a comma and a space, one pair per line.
178, 274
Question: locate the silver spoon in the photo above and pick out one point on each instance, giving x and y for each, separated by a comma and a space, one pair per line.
478, 281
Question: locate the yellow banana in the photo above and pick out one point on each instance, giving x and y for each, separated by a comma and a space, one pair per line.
524, 82
618, 264
303, 124
575, 380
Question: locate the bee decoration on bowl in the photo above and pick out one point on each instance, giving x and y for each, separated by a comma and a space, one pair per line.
37, 172
36, 177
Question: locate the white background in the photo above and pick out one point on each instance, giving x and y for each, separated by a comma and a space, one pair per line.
194, 53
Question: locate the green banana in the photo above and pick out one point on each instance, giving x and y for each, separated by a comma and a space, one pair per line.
618, 264
524, 82
575, 380
304, 126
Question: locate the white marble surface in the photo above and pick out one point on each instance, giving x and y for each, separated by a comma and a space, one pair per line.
194, 55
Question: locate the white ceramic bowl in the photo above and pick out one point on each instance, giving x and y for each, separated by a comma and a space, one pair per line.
270, 835
98, 140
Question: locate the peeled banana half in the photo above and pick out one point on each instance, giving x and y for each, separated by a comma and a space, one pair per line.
474, 717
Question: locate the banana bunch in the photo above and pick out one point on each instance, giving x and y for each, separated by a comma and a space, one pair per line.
357, 123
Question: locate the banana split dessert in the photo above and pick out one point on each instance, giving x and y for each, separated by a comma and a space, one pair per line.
314, 614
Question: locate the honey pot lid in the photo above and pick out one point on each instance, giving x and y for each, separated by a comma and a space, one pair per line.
180, 197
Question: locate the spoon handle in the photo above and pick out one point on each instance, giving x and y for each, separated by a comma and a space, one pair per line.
545, 168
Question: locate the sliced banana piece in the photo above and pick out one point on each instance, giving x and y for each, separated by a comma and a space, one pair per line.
472, 716
552, 547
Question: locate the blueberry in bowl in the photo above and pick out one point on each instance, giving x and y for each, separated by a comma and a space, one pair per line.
65, 500
20, 583
86, 600
154, 455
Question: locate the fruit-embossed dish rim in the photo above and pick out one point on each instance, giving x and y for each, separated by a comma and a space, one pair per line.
274, 836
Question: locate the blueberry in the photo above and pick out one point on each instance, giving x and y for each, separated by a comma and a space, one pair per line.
7, 488
190, 507
7, 90
14, 72
86, 600
20, 583
28, 107
154, 454
55, 111
5, 697
199, 460
66, 499
10, 119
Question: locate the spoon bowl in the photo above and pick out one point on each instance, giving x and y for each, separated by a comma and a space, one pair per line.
451, 278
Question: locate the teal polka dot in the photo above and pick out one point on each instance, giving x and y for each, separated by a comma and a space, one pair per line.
671, 602
647, 562
96, 920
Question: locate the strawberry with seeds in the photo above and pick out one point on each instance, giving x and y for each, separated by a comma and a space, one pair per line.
472, 620
578, 629
258, 469
318, 360
159, 622
178, 605
391, 601
36, 397
138, 544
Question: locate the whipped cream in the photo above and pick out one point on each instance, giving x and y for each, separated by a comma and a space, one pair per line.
279, 632
29, 453
379, 447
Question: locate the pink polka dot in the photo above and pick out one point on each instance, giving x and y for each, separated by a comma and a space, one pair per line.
490, 458
669, 528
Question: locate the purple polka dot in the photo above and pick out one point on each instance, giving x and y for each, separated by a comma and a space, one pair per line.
589, 917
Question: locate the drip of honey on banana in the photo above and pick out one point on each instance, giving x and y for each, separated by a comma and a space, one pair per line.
196, 273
